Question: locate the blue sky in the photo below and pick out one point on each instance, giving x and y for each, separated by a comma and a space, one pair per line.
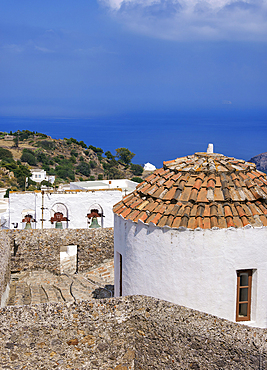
163, 77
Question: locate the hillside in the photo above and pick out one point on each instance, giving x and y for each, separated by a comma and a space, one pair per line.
67, 159
261, 161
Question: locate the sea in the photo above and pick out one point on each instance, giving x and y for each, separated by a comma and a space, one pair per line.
158, 136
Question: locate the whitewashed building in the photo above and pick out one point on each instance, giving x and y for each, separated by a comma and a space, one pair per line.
77, 208
39, 175
194, 233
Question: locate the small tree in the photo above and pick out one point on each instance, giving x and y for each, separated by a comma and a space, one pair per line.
16, 140
124, 155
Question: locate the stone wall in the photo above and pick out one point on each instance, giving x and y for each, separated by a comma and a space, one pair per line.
126, 333
40, 249
4, 266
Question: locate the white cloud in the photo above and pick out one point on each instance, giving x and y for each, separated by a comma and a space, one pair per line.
189, 4
194, 19
42, 49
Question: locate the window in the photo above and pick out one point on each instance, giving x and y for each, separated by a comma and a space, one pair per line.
243, 303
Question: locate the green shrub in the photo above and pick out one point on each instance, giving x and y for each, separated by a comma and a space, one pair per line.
92, 164
46, 144
29, 158
5, 153
137, 169
43, 158
73, 159
31, 188
24, 134
96, 150
137, 179
83, 168
109, 155
65, 172
100, 176
92, 178
82, 144
73, 153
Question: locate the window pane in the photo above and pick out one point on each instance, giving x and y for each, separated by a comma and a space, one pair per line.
243, 309
243, 279
243, 294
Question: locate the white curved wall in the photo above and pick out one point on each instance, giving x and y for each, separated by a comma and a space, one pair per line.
77, 204
196, 269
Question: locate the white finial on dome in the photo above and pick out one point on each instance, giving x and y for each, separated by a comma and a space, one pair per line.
210, 148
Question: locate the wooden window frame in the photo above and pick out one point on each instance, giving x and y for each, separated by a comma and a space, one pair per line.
243, 318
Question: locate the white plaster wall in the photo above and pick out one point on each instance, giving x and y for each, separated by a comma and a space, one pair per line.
78, 205
42, 175
196, 269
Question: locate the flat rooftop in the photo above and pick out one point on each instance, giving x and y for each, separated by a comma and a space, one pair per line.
124, 184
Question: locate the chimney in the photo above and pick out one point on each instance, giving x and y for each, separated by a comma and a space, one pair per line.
210, 148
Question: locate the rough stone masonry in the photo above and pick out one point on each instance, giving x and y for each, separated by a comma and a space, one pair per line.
126, 333
40, 249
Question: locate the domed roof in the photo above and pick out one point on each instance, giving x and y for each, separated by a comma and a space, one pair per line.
204, 190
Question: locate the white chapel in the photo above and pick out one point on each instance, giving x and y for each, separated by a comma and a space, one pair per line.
195, 233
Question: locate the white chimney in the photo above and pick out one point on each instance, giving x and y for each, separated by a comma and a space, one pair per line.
210, 148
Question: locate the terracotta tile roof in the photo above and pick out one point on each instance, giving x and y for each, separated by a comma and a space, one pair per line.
200, 191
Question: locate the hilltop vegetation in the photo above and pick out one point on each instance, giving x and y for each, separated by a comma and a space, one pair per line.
67, 159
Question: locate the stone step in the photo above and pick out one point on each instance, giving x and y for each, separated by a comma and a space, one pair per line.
53, 295
35, 294
35, 287
96, 279
63, 285
80, 292
80, 280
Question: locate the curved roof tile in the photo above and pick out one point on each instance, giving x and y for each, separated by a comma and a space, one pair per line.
204, 190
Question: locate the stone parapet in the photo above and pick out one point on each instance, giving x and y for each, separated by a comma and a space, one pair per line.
40, 249
126, 333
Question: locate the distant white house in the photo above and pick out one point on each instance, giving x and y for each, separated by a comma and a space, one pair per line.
149, 167
39, 175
